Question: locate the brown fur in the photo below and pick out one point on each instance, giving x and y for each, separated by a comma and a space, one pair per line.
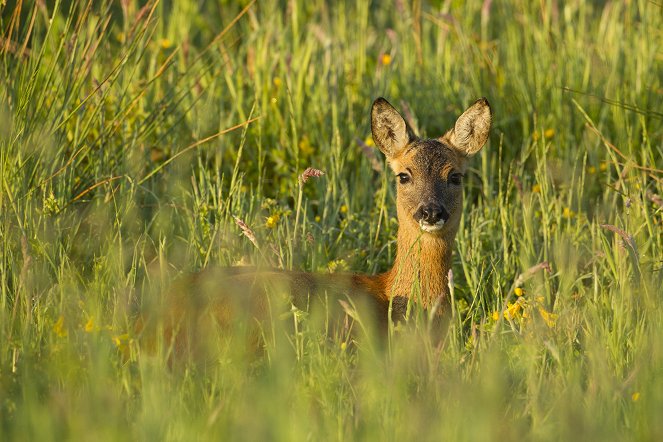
433, 170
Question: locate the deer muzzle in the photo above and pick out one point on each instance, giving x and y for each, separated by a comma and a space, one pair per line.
431, 217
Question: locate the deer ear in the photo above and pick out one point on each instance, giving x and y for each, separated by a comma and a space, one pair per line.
390, 131
471, 130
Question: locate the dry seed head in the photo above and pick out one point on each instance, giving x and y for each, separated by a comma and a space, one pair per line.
310, 172
246, 230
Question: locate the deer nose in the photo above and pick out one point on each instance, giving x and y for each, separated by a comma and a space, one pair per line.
431, 213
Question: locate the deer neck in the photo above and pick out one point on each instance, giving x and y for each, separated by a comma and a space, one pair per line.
422, 263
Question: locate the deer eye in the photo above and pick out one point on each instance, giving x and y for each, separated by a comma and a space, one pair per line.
456, 179
403, 178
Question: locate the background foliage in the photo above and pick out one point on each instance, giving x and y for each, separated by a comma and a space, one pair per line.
131, 133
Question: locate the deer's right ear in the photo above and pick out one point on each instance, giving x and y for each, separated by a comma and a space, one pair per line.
390, 131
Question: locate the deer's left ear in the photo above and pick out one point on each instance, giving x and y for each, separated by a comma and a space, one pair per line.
471, 130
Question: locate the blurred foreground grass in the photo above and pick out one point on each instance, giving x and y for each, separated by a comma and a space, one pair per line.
116, 158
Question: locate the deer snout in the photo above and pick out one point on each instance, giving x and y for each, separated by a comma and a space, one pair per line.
432, 213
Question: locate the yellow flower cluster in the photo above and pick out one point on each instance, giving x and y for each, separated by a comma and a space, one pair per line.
602, 167
120, 341
272, 221
521, 310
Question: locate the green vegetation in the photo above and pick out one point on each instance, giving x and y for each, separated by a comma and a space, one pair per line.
116, 158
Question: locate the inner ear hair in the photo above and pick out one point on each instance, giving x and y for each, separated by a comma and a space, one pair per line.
472, 128
391, 132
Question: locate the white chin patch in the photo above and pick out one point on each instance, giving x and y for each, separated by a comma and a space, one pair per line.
431, 228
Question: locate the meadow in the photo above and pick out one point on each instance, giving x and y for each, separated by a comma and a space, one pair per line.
133, 134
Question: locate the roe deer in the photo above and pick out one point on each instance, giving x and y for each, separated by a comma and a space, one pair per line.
429, 199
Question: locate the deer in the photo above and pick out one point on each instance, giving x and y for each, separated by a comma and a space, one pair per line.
429, 202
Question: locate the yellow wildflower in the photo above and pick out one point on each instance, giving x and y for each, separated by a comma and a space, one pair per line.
277, 82
549, 318
121, 341
59, 328
369, 141
518, 291
591, 170
344, 209
635, 396
344, 345
317, 218
536, 188
385, 59
568, 213
272, 221
549, 133
512, 310
495, 316
603, 166
165, 43
89, 325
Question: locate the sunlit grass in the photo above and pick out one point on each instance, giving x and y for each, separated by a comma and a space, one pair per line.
142, 141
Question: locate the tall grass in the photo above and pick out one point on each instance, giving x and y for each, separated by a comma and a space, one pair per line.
132, 133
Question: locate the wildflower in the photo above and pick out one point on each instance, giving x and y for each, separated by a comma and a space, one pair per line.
317, 218
272, 220
89, 325
344, 209
59, 328
519, 291
344, 345
591, 170
536, 188
549, 318
385, 59
549, 133
277, 82
635, 396
274, 100
165, 43
512, 310
121, 341
369, 141
568, 213
603, 166
495, 316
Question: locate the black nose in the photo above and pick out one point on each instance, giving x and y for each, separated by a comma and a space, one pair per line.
431, 213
